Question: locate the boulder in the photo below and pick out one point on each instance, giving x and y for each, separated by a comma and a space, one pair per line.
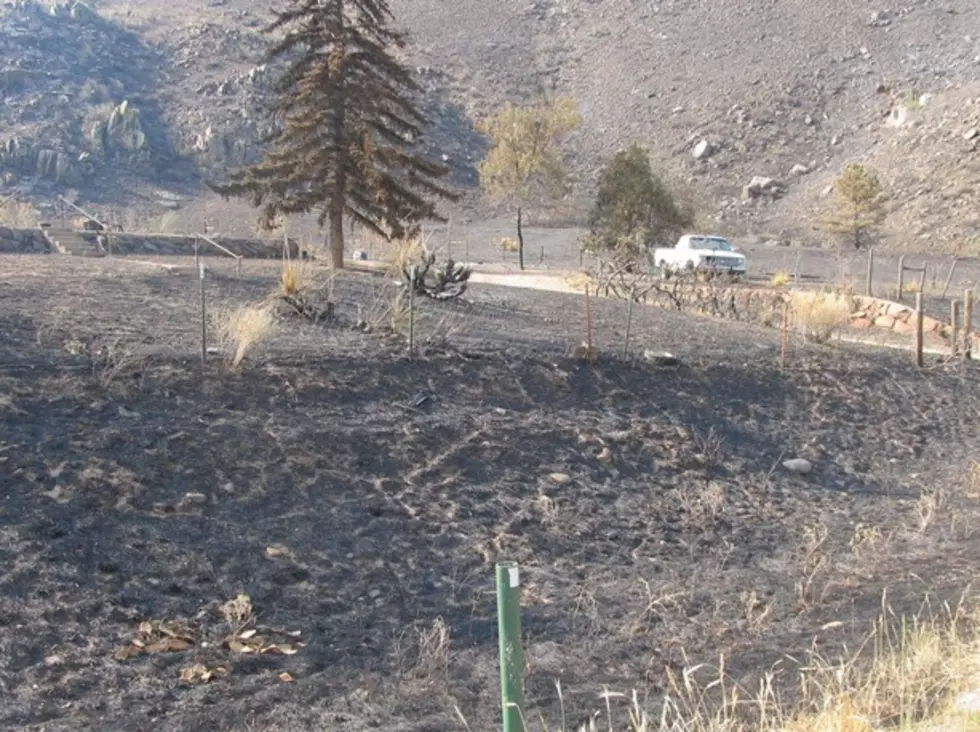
798, 465
703, 150
762, 187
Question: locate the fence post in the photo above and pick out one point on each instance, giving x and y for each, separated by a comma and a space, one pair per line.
949, 277
954, 327
871, 267
511, 649
588, 324
411, 312
922, 278
968, 325
918, 329
784, 337
901, 278
629, 322
197, 251
204, 318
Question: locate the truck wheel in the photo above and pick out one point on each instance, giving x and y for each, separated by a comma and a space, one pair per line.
663, 270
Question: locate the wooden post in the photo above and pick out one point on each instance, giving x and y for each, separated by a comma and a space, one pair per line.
629, 322
197, 252
204, 318
449, 239
588, 324
541, 260
411, 313
968, 325
796, 269
922, 279
871, 267
784, 337
949, 277
901, 277
918, 329
954, 328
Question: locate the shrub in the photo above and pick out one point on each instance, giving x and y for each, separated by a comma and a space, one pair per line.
820, 314
781, 279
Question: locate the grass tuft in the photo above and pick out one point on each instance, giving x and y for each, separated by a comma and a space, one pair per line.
239, 330
781, 279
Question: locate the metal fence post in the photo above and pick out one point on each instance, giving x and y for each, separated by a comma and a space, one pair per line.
511, 649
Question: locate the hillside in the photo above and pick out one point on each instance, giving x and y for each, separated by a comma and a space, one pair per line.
769, 85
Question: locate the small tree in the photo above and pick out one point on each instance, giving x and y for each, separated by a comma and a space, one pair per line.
860, 204
525, 158
634, 210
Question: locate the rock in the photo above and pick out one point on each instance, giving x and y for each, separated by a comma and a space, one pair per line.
884, 321
898, 117
880, 19
799, 170
968, 703
761, 186
861, 323
703, 150
604, 456
193, 499
660, 358
560, 478
798, 465
971, 134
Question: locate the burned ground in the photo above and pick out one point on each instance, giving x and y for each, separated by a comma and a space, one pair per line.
647, 505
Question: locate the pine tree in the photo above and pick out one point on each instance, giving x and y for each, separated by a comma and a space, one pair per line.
860, 204
347, 130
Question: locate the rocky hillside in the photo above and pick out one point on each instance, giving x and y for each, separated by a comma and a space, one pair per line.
124, 97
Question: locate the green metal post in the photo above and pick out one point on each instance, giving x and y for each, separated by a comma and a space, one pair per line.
511, 650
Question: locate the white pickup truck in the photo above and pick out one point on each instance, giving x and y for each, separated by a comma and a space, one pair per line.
694, 252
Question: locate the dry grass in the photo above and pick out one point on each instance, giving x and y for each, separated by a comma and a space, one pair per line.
403, 254
19, 215
297, 277
239, 330
908, 675
820, 314
781, 279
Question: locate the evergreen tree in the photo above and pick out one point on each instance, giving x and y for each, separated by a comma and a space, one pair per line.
633, 210
860, 204
347, 130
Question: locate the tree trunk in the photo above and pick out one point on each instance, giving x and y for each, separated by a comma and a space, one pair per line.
336, 240
520, 240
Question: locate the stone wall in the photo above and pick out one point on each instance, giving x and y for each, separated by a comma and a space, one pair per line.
22, 241
30, 241
765, 305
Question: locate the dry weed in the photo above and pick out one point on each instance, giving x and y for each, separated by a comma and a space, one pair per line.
19, 215
781, 279
239, 330
820, 314
813, 562
115, 357
426, 656
238, 613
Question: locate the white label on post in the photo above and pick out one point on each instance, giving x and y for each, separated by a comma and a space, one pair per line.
202, 270
515, 576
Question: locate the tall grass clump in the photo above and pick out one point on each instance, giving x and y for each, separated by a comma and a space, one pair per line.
239, 330
820, 314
